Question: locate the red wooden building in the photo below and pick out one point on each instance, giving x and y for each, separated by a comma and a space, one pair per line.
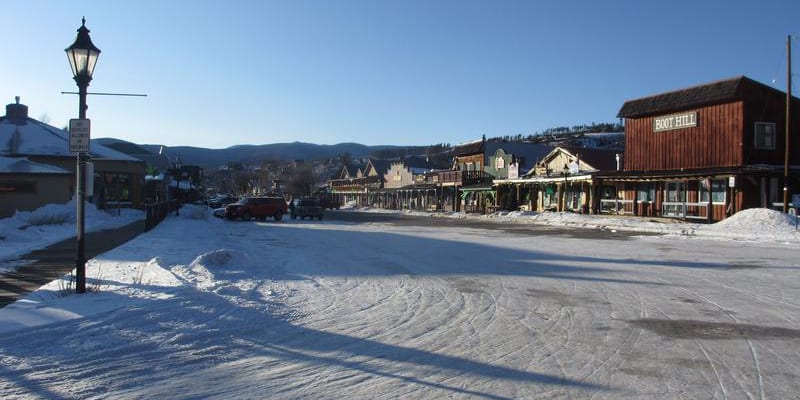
706, 152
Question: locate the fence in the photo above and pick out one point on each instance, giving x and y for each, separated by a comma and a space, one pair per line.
156, 212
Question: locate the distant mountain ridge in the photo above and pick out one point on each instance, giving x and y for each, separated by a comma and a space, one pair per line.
256, 154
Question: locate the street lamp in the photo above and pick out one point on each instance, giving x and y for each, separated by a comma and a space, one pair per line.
178, 192
82, 56
565, 172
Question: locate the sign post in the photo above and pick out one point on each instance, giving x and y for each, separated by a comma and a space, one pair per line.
79, 135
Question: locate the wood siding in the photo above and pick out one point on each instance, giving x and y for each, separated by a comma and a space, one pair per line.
716, 141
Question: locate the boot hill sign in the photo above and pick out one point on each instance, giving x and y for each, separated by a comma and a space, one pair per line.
675, 121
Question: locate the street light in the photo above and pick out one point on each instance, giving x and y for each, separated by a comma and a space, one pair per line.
565, 172
82, 56
178, 192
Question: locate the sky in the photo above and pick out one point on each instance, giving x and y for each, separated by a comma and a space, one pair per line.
218, 74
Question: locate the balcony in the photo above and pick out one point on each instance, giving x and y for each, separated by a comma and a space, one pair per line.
463, 178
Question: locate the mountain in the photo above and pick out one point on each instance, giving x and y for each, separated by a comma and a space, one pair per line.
256, 154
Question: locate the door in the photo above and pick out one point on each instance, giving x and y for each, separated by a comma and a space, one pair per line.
675, 204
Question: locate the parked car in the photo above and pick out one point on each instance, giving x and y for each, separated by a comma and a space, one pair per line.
221, 200
306, 207
329, 202
257, 207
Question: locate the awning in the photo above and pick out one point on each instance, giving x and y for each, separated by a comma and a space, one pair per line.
481, 187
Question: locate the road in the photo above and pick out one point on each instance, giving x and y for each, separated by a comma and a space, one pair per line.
384, 306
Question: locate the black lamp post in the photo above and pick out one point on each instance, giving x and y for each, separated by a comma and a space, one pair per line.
565, 172
178, 166
82, 55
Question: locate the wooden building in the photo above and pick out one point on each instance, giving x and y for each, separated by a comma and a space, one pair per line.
706, 152
118, 178
563, 180
467, 187
359, 184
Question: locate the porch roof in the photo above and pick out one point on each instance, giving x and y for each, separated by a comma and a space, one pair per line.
545, 179
479, 187
693, 173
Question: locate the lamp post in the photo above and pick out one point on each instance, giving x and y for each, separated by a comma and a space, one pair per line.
564, 172
82, 55
178, 166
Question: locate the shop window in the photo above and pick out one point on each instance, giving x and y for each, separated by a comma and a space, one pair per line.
118, 187
646, 192
765, 135
676, 192
718, 189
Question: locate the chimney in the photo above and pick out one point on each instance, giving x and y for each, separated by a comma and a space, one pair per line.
16, 111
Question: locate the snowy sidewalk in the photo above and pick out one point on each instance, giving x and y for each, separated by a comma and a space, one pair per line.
755, 224
44, 265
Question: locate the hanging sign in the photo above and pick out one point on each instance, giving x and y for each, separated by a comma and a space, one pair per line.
79, 135
675, 121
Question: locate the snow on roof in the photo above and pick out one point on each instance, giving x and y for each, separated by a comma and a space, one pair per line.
31, 137
9, 165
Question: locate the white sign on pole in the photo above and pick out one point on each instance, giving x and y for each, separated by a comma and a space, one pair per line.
79, 135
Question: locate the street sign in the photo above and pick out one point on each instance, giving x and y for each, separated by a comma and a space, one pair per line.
79, 135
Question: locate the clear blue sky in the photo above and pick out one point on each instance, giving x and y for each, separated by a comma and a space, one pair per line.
221, 73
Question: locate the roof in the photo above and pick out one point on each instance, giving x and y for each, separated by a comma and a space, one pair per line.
415, 162
530, 153
474, 147
380, 166
603, 160
11, 165
29, 137
726, 90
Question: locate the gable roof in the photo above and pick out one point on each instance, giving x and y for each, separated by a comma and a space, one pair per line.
417, 163
380, 166
159, 161
726, 90
29, 137
529, 153
469, 148
11, 165
602, 160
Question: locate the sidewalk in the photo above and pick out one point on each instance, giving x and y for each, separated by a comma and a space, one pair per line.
44, 265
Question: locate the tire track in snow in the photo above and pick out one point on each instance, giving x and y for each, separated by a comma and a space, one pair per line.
756, 364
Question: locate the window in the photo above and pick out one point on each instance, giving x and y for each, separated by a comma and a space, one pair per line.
118, 187
646, 192
765, 135
499, 163
718, 190
676, 192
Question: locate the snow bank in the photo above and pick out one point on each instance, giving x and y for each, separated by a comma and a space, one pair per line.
759, 224
29, 230
193, 211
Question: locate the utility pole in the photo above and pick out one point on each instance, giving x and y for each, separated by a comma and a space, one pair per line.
788, 127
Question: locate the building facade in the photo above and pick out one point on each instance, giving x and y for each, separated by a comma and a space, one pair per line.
708, 151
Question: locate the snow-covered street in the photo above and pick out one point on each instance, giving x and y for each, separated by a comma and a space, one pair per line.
368, 309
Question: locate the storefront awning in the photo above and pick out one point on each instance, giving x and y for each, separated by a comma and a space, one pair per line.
482, 187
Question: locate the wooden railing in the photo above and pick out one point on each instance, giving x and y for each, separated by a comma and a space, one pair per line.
463, 178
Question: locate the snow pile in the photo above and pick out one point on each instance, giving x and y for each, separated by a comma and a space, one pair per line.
757, 223
194, 211
30, 230
202, 270
55, 214
351, 205
219, 258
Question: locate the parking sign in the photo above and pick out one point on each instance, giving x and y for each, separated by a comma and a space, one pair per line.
79, 135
